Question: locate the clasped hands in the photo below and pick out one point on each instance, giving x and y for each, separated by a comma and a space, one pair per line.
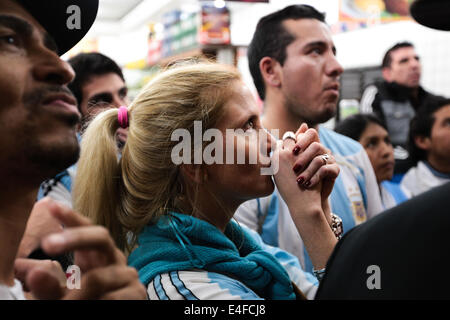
307, 171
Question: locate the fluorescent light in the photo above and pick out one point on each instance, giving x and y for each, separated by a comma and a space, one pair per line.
141, 14
219, 4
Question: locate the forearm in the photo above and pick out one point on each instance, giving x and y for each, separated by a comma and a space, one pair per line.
317, 236
327, 210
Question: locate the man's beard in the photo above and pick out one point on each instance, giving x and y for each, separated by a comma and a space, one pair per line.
51, 159
326, 115
313, 118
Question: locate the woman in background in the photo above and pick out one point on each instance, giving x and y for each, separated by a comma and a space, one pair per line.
370, 131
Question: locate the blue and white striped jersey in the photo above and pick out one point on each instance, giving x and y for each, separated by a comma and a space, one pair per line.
59, 188
391, 194
203, 285
198, 285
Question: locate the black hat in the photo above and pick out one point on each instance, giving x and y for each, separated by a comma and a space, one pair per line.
432, 13
59, 19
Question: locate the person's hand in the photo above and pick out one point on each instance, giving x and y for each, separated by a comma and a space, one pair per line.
45, 277
104, 273
309, 149
92, 245
293, 192
309, 164
40, 224
303, 180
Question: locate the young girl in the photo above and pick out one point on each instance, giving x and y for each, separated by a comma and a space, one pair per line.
176, 215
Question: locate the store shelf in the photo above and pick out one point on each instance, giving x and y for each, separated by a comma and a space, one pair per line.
184, 55
206, 51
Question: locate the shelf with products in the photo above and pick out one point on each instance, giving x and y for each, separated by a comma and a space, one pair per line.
139, 73
184, 35
220, 53
205, 33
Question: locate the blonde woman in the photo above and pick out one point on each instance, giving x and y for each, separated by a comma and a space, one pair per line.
177, 215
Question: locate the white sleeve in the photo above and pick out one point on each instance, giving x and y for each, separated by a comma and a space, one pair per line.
12, 293
407, 182
367, 99
61, 194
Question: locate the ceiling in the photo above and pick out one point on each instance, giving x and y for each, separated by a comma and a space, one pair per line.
114, 10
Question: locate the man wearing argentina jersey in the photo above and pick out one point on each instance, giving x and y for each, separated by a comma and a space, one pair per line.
203, 285
292, 59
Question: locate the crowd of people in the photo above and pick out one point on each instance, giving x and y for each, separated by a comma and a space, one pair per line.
125, 191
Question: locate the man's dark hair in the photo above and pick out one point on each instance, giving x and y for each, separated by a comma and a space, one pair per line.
387, 59
354, 125
88, 65
271, 39
422, 124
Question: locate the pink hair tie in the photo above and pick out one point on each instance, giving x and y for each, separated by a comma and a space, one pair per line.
122, 116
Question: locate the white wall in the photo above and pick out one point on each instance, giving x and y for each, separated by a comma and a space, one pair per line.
366, 47
244, 18
125, 47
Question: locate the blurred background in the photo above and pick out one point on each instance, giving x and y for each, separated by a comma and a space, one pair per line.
144, 36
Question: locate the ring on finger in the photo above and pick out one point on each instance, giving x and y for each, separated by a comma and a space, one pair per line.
289, 135
325, 157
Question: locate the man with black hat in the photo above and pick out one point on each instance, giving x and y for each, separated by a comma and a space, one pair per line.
37, 134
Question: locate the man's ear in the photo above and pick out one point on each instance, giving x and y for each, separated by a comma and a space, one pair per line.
270, 71
193, 173
423, 142
387, 74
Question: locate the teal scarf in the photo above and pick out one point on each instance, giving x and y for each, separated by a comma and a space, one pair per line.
180, 242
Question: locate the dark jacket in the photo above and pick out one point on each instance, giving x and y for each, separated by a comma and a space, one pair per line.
395, 105
402, 253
